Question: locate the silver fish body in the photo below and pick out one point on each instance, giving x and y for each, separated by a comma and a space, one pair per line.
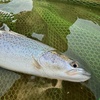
21, 54
17, 52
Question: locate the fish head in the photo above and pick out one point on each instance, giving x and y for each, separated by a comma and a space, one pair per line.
59, 66
76, 73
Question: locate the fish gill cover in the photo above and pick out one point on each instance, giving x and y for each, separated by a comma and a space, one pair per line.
53, 19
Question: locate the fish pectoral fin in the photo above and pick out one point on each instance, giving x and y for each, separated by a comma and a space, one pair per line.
59, 84
36, 64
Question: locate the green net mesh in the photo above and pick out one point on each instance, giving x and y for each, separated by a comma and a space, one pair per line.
55, 20
8, 18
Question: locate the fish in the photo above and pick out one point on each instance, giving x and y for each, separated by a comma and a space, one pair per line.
25, 55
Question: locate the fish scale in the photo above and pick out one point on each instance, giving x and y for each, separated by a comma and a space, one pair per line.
22, 54
18, 41
22, 51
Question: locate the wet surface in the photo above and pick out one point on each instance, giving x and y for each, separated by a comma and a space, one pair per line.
53, 19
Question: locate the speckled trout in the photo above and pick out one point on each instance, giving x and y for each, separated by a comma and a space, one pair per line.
21, 54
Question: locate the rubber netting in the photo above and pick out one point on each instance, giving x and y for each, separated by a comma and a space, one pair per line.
55, 19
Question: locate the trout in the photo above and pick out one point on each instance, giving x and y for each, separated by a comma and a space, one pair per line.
21, 54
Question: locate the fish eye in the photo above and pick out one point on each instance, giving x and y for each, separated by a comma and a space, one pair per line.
74, 64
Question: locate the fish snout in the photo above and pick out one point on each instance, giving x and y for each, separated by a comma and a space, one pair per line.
83, 72
79, 71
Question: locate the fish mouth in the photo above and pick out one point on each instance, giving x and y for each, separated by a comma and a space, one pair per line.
78, 75
78, 71
86, 74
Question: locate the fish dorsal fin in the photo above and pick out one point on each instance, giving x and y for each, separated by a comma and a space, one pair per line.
5, 27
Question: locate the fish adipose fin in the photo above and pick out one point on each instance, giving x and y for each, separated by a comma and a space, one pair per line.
36, 64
